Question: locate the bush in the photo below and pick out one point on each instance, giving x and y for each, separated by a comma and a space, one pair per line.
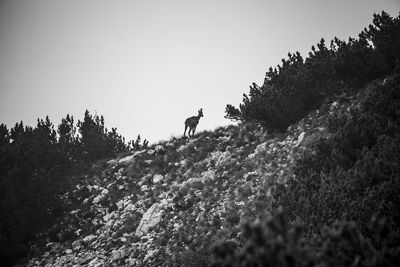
269, 243
299, 85
344, 195
356, 62
384, 33
37, 166
353, 174
95, 141
274, 242
33, 175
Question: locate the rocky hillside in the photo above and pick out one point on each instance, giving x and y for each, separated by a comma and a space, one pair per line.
172, 203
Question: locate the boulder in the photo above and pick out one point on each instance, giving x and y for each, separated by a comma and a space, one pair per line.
89, 239
157, 178
150, 219
126, 159
76, 245
119, 254
97, 199
104, 191
300, 139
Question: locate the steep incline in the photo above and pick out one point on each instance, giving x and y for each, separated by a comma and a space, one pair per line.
171, 203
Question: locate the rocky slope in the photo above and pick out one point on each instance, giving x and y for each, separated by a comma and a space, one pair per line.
170, 204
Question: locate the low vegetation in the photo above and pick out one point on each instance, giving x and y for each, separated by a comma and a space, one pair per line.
303, 84
342, 204
40, 164
342, 201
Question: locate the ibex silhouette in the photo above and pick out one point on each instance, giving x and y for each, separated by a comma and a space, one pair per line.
192, 123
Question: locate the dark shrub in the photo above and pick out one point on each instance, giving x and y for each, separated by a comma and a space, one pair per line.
299, 85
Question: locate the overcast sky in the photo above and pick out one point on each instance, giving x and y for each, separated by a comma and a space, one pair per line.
148, 65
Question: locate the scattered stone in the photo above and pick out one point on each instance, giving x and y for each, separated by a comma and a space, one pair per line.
181, 149
157, 178
126, 159
94, 263
150, 219
144, 188
130, 207
112, 162
76, 245
119, 254
300, 139
139, 152
104, 191
149, 255
97, 199
89, 239
260, 148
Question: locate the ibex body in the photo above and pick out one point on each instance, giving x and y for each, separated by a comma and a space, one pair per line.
192, 123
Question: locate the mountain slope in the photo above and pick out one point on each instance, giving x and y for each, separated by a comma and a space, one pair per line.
173, 202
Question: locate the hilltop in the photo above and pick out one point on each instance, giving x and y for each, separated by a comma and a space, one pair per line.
171, 203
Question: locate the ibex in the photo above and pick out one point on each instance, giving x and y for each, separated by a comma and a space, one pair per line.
192, 123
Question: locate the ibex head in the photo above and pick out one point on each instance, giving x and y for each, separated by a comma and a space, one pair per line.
200, 112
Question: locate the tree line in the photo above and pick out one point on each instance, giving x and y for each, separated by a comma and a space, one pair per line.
304, 83
39, 164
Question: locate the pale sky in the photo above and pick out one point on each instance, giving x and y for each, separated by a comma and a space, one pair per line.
148, 65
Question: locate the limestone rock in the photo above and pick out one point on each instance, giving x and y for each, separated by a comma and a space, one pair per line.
150, 219
126, 159
300, 139
119, 254
157, 178
89, 239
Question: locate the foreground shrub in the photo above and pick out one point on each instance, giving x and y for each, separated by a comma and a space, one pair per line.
343, 244
269, 243
357, 167
353, 175
274, 242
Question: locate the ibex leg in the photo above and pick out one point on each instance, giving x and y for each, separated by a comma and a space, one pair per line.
193, 130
